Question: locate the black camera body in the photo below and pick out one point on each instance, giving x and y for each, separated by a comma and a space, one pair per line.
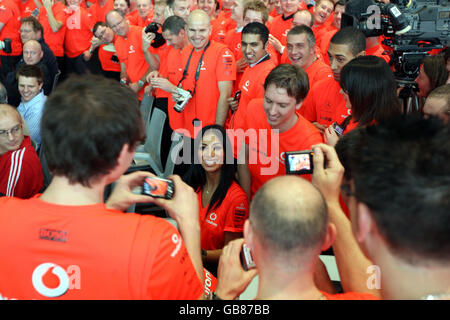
7, 48
411, 28
159, 39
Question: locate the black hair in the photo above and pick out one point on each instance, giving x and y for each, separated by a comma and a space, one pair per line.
196, 176
85, 124
352, 37
371, 87
257, 28
401, 171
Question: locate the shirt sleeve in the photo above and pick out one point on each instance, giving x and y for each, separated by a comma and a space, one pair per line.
237, 213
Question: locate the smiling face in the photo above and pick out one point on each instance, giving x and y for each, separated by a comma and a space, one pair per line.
299, 51
198, 30
118, 24
289, 6
144, 7
253, 48
122, 5
280, 108
29, 88
322, 11
105, 34
211, 152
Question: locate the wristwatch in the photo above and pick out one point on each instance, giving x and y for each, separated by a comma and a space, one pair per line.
141, 83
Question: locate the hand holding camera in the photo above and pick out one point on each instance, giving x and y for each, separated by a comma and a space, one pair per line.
328, 172
232, 278
183, 98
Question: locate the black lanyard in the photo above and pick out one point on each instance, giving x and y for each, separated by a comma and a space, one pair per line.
197, 73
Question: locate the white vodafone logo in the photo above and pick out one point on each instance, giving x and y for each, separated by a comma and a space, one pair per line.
40, 286
213, 216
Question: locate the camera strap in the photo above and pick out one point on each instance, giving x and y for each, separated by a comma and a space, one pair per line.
197, 72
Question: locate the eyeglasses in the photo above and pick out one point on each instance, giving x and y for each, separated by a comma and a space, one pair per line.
117, 24
14, 131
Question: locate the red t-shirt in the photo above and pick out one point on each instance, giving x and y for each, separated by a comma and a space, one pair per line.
106, 61
135, 19
378, 51
265, 163
218, 65
99, 12
21, 172
10, 17
55, 41
129, 51
280, 26
325, 42
78, 32
320, 31
228, 217
325, 103
251, 87
219, 30
349, 296
27, 8
91, 252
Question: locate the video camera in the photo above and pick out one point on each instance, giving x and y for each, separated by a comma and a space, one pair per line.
411, 28
153, 28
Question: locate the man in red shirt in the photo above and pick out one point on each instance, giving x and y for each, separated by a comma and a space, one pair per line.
288, 227
207, 70
339, 9
20, 168
129, 50
78, 37
9, 26
53, 17
272, 126
75, 246
254, 41
325, 103
321, 13
178, 8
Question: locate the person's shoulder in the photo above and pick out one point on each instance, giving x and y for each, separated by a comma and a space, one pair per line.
236, 191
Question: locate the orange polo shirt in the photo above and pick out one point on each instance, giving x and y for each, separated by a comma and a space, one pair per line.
10, 17
78, 32
55, 41
325, 103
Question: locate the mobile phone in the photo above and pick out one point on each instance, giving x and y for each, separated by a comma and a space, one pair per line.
237, 95
158, 188
299, 162
246, 258
339, 131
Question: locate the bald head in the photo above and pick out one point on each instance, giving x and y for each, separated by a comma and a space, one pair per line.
32, 52
198, 16
198, 29
289, 215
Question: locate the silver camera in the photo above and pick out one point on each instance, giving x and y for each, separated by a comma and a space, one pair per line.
185, 97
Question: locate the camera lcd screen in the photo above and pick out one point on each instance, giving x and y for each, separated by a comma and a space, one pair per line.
299, 162
158, 188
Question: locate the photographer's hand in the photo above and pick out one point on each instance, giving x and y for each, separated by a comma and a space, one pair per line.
147, 39
232, 278
123, 197
327, 180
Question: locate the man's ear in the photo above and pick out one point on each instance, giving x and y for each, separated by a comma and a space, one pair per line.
298, 105
364, 224
248, 234
330, 237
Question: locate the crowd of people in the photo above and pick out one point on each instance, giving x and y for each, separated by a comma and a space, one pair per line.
243, 82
